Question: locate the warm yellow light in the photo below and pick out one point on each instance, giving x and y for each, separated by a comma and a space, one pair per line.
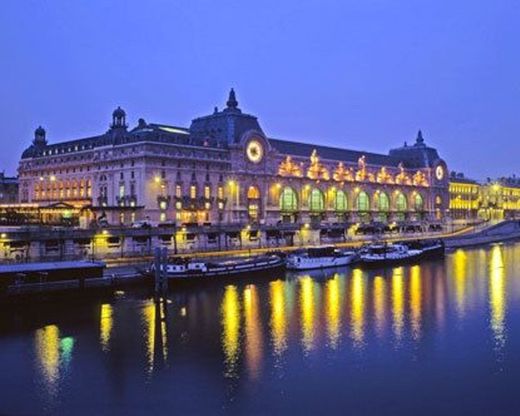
306, 226
230, 321
356, 189
41, 178
184, 311
52, 178
157, 179
3, 235
104, 232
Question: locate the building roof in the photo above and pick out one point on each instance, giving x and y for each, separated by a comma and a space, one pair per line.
332, 153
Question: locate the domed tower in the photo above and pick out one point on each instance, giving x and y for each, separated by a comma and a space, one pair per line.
118, 119
39, 137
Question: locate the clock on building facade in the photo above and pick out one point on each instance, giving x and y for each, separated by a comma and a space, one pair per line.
439, 172
255, 151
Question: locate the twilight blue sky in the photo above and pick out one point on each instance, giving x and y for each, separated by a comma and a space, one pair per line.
359, 74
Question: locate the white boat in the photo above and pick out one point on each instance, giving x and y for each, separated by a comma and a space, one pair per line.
319, 258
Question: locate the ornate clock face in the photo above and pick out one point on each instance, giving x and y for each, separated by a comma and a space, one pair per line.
439, 172
255, 151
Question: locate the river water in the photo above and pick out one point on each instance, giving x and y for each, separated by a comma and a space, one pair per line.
437, 338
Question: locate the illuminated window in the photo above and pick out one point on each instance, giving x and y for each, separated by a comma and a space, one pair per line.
383, 202
418, 202
316, 200
362, 202
163, 205
340, 201
288, 200
400, 202
193, 191
207, 192
121, 190
220, 192
162, 217
178, 191
221, 205
178, 205
253, 192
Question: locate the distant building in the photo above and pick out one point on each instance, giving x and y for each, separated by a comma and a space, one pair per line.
492, 200
224, 169
8, 189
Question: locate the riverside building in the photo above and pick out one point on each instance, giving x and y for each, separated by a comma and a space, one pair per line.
224, 169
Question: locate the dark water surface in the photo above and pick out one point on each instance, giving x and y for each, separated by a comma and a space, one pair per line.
439, 338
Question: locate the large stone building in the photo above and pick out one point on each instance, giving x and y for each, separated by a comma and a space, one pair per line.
224, 169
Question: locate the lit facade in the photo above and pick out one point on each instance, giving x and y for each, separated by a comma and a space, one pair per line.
224, 169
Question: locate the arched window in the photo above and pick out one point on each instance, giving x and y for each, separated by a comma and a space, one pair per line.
340, 201
383, 202
362, 202
400, 202
288, 199
316, 201
418, 202
253, 193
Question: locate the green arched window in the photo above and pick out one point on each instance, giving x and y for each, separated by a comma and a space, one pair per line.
340, 201
418, 202
288, 199
316, 201
400, 202
362, 202
383, 202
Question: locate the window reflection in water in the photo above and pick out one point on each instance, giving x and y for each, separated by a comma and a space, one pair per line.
333, 301
154, 320
105, 326
278, 317
415, 301
53, 356
230, 320
357, 303
47, 345
398, 302
379, 294
307, 309
460, 264
253, 329
497, 297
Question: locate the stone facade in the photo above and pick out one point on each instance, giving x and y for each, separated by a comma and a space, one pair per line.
224, 170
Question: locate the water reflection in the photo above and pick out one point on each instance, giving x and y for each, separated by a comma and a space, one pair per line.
156, 341
53, 356
415, 301
106, 323
398, 302
307, 313
333, 299
497, 297
379, 294
253, 327
230, 319
267, 329
278, 321
357, 301
460, 265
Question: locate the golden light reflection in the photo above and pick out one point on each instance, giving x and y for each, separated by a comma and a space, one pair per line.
278, 317
357, 301
105, 326
398, 302
379, 304
254, 336
307, 309
333, 310
497, 296
460, 264
230, 320
415, 301
47, 345
149, 323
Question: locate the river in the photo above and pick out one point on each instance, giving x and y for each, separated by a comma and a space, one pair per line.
442, 337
